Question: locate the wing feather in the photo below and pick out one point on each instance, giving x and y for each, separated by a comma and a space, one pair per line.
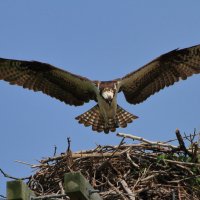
160, 73
62, 85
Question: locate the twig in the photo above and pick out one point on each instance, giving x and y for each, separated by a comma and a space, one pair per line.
76, 155
140, 177
183, 179
69, 144
12, 177
31, 165
145, 167
176, 162
61, 187
120, 144
195, 149
179, 192
184, 137
2, 196
33, 183
130, 194
182, 144
145, 141
55, 150
149, 177
131, 161
50, 197
97, 153
116, 190
191, 137
113, 153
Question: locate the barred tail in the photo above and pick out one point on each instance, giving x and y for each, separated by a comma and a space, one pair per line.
94, 118
124, 117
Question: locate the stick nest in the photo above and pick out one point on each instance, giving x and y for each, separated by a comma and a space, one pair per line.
140, 170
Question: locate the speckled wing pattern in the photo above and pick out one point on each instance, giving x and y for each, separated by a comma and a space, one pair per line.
62, 85
161, 72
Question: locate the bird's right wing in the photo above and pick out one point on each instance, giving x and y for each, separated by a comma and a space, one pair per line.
161, 72
37, 76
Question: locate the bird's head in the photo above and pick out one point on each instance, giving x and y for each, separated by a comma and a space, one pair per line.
108, 94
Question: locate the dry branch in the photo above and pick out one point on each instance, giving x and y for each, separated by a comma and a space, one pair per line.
141, 170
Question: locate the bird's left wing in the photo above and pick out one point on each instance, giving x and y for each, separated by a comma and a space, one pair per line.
161, 72
62, 85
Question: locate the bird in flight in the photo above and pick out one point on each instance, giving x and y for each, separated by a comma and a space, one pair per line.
76, 90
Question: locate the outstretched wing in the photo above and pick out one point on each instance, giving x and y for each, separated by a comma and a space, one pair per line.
57, 83
161, 72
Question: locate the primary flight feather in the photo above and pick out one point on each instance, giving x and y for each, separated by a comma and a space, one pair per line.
76, 90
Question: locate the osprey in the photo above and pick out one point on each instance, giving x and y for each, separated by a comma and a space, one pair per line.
76, 90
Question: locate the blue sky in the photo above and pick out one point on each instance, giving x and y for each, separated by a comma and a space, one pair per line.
100, 40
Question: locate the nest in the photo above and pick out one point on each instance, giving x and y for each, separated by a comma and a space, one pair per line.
140, 170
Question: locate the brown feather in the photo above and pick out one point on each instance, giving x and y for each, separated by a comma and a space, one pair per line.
76, 90
161, 72
65, 86
93, 118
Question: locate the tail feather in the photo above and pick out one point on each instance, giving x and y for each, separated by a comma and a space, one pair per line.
124, 117
91, 118
94, 118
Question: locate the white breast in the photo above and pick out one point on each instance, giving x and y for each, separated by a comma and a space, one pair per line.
107, 110
108, 94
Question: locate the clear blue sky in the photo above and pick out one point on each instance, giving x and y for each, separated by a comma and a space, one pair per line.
100, 40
